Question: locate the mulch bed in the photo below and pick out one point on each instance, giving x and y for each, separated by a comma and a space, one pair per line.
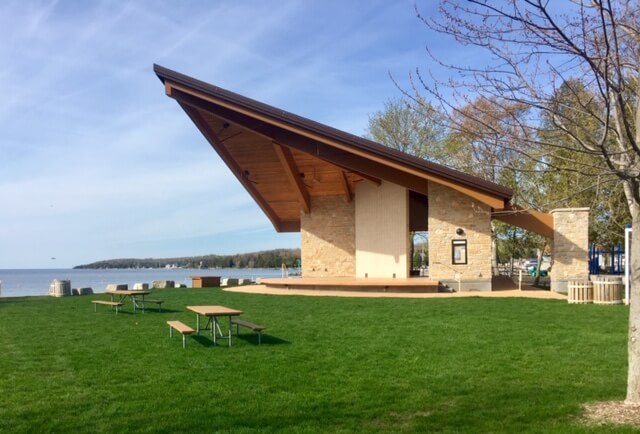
611, 412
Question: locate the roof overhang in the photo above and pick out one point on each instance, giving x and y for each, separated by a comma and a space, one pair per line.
534, 221
283, 160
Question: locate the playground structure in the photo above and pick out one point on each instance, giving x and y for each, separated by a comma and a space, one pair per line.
606, 261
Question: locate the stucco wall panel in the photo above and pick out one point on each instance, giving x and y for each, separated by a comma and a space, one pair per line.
382, 230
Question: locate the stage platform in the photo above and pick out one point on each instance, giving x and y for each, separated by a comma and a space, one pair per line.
411, 285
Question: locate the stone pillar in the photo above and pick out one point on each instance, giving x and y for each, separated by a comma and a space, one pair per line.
570, 247
455, 216
328, 238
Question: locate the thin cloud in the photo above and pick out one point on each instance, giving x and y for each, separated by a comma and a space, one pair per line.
96, 162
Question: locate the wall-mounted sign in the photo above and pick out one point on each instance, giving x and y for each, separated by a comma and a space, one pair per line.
458, 252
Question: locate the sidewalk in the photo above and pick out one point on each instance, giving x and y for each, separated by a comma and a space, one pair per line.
501, 289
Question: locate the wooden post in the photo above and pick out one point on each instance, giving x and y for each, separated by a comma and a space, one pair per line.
520, 280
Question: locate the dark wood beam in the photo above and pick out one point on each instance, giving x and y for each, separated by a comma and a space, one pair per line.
279, 131
343, 159
318, 149
348, 197
289, 226
293, 175
201, 123
376, 181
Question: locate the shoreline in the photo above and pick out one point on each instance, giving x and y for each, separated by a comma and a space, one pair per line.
36, 282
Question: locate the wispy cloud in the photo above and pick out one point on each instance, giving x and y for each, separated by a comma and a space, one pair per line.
96, 162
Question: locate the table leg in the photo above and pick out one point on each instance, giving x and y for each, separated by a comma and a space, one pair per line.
229, 330
214, 326
198, 323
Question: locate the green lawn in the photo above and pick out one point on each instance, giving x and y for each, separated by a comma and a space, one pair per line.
325, 365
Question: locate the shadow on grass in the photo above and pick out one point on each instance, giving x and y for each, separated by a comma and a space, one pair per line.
10, 300
205, 341
266, 339
146, 311
152, 311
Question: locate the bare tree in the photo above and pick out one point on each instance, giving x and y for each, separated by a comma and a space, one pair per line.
534, 48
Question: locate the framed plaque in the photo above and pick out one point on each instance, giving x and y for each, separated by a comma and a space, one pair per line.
458, 252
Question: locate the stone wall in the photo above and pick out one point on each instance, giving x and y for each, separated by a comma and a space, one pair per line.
327, 236
448, 211
570, 247
382, 230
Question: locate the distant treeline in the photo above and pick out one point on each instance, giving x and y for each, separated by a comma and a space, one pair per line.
265, 259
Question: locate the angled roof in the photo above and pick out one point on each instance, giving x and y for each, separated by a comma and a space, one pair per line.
283, 160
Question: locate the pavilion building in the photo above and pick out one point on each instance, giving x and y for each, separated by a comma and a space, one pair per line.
357, 203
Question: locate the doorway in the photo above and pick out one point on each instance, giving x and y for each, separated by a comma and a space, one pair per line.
418, 234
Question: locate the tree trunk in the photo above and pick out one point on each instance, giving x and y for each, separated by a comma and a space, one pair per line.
633, 376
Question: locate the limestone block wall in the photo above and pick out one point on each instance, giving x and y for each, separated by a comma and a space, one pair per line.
570, 247
382, 230
328, 238
448, 211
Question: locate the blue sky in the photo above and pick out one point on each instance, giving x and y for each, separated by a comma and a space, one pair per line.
97, 163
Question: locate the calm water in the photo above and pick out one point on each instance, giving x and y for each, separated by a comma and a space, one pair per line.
17, 283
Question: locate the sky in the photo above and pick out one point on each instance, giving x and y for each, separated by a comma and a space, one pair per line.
96, 162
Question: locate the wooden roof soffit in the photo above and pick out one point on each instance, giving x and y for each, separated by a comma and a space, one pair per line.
376, 181
293, 175
215, 142
338, 153
348, 197
368, 169
535, 221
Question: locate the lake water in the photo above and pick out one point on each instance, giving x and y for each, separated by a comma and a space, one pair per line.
18, 283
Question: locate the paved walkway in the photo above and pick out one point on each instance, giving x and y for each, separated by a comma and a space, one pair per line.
502, 288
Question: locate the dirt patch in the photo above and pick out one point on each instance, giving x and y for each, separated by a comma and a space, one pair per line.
611, 412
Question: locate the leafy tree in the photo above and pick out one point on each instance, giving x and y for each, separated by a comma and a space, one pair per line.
409, 125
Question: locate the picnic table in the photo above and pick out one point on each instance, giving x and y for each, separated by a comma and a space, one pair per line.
135, 295
212, 313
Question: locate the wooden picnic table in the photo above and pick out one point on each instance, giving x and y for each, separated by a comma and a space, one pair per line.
212, 313
132, 294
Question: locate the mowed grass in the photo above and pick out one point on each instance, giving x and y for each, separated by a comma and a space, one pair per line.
325, 365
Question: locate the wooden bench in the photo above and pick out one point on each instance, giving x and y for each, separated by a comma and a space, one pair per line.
145, 301
181, 328
254, 327
113, 304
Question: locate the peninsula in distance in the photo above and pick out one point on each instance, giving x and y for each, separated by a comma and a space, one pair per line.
262, 259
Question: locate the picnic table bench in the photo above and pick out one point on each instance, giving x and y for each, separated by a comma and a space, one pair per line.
113, 304
146, 300
181, 328
251, 326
